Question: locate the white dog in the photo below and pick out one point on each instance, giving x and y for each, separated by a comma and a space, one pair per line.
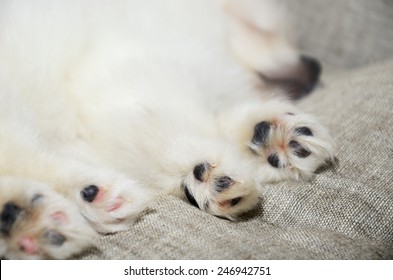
106, 104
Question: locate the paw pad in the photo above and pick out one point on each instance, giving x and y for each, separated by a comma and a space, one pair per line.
304, 131
54, 238
202, 171
28, 245
89, 193
230, 202
274, 160
59, 217
9, 214
261, 133
116, 204
298, 150
224, 182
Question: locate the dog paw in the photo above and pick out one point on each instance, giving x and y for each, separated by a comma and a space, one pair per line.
293, 145
112, 205
38, 223
213, 188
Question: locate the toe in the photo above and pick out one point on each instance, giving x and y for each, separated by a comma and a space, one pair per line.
261, 133
274, 160
202, 171
28, 245
89, 193
298, 150
303, 130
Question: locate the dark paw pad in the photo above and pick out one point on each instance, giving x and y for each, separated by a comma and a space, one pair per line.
89, 193
9, 214
230, 202
223, 183
54, 238
189, 196
261, 133
298, 79
298, 150
313, 69
304, 131
274, 160
201, 171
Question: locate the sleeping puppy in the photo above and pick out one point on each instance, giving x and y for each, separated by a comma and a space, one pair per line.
106, 105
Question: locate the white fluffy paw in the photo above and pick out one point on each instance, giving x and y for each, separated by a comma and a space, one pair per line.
219, 191
112, 205
293, 145
38, 223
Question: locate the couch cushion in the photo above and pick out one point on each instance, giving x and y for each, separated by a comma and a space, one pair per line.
345, 212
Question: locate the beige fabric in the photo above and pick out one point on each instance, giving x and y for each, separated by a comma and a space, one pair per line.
346, 212
343, 34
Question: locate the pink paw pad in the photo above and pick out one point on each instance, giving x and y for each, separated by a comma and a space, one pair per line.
28, 245
59, 217
117, 203
92, 193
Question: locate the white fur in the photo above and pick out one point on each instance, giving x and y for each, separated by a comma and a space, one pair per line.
130, 96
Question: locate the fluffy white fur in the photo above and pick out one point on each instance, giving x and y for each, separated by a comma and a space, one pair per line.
130, 96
